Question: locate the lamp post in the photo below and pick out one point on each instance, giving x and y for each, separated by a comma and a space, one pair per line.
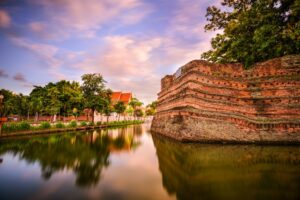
2, 119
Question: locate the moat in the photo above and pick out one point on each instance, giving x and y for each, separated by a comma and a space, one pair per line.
131, 163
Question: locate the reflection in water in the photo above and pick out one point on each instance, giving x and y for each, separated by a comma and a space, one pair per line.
85, 154
121, 164
195, 171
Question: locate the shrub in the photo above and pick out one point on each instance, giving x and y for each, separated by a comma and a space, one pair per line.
90, 124
99, 123
24, 126
83, 124
59, 125
73, 124
45, 125
9, 127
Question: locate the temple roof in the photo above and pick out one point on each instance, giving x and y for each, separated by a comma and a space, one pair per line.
120, 96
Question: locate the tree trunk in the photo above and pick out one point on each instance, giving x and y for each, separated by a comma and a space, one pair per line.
93, 112
107, 116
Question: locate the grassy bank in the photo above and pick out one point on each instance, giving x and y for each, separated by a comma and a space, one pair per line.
25, 128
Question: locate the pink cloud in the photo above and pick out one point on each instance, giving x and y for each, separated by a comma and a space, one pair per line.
44, 51
133, 61
86, 17
48, 54
19, 77
5, 19
3, 74
121, 55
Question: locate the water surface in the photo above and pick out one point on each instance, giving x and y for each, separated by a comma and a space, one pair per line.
130, 163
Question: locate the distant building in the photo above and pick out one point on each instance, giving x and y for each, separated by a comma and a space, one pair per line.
120, 96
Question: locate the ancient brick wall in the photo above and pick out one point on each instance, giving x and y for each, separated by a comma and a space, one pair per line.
263, 101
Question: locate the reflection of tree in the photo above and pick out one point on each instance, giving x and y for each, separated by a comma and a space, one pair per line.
85, 154
195, 171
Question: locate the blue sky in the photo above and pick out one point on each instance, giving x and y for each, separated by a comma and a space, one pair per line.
132, 43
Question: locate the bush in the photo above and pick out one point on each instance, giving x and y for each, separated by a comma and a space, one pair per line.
11, 127
99, 123
73, 124
90, 124
45, 125
59, 125
83, 124
24, 126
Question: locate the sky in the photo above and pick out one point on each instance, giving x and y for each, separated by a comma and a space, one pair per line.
131, 43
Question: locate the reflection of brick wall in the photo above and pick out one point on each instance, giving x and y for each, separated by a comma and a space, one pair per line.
265, 98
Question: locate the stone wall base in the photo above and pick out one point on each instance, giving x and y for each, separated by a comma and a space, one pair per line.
192, 129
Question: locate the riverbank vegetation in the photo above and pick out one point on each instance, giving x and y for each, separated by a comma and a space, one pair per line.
66, 100
25, 126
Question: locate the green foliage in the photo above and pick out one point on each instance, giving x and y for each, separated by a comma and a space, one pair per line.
24, 126
95, 94
129, 110
138, 113
151, 108
135, 104
72, 124
253, 31
99, 123
45, 125
121, 123
14, 104
91, 124
59, 125
120, 107
83, 124
150, 112
12, 127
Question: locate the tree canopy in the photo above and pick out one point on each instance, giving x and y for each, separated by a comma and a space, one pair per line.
96, 96
253, 30
65, 98
120, 107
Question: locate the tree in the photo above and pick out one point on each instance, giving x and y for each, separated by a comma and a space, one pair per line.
129, 110
119, 108
107, 108
53, 105
138, 112
8, 102
70, 96
253, 30
21, 105
135, 103
151, 108
37, 100
150, 112
94, 92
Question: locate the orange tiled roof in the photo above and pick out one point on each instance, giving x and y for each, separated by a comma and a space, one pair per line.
115, 96
126, 97
119, 96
